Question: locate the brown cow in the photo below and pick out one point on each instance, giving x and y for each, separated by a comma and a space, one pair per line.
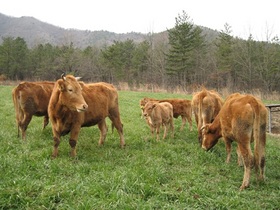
74, 105
158, 114
242, 119
31, 98
181, 107
206, 104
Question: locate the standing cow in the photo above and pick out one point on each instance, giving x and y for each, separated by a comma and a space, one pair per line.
206, 104
159, 114
242, 119
31, 98
74, 105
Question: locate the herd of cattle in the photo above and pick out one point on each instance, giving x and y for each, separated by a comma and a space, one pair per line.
71, 104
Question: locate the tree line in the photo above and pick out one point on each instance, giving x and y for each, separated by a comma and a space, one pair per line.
185, 59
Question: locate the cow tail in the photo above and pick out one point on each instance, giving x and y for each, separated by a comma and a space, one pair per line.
257, 134
17, 108
200, 112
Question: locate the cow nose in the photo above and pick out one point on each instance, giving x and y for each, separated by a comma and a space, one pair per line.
85, 106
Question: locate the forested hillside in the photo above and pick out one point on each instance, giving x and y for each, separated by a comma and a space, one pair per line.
36, 32
185, 57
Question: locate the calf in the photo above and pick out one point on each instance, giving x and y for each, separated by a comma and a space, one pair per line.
242, 119
181, 107
159, 114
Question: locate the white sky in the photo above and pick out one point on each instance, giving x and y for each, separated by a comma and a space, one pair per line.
259, 18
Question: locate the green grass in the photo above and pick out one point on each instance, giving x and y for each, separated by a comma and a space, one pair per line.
170, 174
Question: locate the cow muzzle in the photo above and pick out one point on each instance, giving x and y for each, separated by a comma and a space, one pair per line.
203, 147
83, 108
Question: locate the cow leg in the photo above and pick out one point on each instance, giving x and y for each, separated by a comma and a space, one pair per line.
103, 131
184, 120
119, 126
157, 131
259, 154
46, 121
189, 118
73, 139
172, 127
56, 142
164, 129
149, 123
73, 143
245, 150
152, 130
24, 124
239, 157
228, 149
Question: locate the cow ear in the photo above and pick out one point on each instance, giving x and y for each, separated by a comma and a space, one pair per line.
154, 105
82, 84
61, 85
205, 128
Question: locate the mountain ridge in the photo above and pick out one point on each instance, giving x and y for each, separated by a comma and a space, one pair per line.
35, 32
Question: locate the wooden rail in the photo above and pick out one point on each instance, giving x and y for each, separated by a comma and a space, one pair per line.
270, 107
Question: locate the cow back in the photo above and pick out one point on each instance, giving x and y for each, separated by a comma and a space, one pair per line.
33, 97
102, 100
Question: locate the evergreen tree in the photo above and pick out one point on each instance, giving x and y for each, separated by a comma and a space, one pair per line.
224, 56
13, 58
184, 38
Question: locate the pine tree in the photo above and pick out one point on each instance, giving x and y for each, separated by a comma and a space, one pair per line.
184, 38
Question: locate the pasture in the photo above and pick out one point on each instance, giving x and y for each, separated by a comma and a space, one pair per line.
170, 174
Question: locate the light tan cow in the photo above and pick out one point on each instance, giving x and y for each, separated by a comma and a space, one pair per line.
206, 104
159, 114
31, 99
242, 119
74, 105
181, 107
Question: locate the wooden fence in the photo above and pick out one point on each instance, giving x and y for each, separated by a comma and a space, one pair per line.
271, 108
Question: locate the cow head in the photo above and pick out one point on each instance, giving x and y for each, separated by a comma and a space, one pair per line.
209, 137
71, 93
148, 108
143, 103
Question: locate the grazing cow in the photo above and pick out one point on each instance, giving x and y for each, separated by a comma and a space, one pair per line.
242, 119
181, 107
31, 98
205, 105
74, 105
159, 114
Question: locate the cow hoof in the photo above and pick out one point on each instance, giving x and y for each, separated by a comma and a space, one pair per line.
54, 156
243, 187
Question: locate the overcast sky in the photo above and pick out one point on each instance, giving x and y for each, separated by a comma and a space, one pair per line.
259, 18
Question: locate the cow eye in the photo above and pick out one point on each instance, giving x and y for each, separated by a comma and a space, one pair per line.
70, 90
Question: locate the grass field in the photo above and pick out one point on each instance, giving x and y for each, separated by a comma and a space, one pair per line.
170, 174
